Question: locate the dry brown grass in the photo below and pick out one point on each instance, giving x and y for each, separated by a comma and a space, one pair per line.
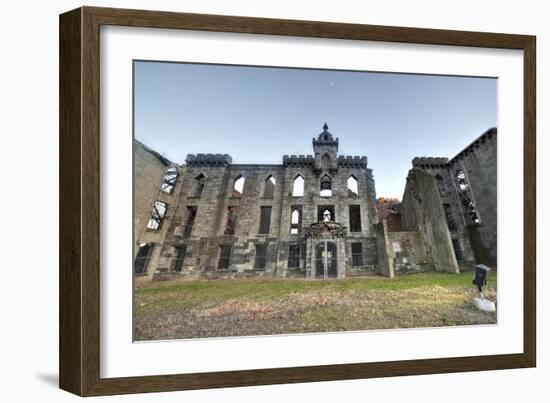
260, 307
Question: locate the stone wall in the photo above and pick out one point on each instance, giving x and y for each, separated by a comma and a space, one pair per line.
149, 171
479, 162
212, 208
422, 210
473, 242
386, 261
409, 252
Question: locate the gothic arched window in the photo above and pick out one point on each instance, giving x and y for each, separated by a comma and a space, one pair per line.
325, 213
238, 186
198, 185
295, 219
353, 186
326, 186
269, 187
298, 186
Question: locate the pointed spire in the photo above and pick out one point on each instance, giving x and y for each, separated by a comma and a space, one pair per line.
325, 126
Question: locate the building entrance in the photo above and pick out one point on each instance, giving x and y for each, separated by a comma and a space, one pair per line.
326, 259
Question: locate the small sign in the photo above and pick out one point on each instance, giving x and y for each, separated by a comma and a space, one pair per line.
396, 247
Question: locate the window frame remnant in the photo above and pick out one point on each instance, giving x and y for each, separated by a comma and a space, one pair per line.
231, 220
323, 216
325, 186
260, 258
351, 191
199, 183
466, 199
355, 218
294, 255
357, 254
238, 183
298, 186
224, 258
181, 252
265, 220
295, 224
269, 187
143, 257
157, 215
191, 215
169, 180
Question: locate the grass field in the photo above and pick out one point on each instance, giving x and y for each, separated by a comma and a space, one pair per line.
218, 308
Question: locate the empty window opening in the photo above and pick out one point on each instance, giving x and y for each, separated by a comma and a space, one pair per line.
296, 220
231, 221
466, 199
298, 186
265, 219
269, 188
355, 218
169, 180
238, 186
157, 215
143, 257
441, 185
181, 250
353, 186
357, 254
326, 186
198, 185
191, 215
261, 256
225, 257
325, 213
294, 256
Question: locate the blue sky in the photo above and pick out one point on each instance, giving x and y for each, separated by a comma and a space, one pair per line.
257, 114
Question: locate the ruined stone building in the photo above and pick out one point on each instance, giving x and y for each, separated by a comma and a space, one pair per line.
155, 182
313, 216
448, 214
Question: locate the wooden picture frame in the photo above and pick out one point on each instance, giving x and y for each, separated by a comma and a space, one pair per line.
80, 185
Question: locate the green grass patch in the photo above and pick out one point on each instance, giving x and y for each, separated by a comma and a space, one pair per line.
181, 309
177, 295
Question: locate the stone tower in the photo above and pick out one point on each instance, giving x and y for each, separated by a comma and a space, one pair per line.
326, 152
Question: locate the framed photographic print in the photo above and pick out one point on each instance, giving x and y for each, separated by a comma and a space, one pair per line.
250, 201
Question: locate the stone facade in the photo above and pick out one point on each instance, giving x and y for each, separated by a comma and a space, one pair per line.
313, 216
458, 197
467, 186
150, 170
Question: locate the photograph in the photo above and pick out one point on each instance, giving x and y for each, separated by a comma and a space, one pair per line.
274, 200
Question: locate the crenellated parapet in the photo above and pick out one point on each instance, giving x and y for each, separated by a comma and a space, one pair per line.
298, 160
352, 161
435, 162
488, 136
430, 162
208, 160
